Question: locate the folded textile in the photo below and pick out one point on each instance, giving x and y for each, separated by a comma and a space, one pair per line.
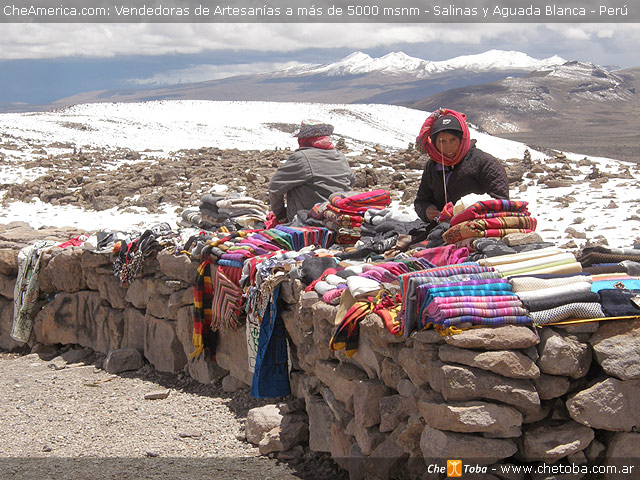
444, 255
488, 207
599, 254
527, 282
580, 310
519, 257
534, 264
618, 302
566, 290
489, 227
487, 321
599, 268
360, 202
552, 301
622, 282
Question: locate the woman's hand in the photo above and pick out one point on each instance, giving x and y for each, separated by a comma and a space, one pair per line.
432, 212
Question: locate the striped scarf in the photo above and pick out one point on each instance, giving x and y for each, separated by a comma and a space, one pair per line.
203, 336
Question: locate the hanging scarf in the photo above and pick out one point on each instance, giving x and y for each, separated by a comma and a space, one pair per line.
425, 145
316, 142
203, 336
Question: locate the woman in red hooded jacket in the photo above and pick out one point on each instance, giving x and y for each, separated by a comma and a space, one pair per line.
455, 167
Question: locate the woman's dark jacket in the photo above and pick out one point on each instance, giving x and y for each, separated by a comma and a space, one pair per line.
478, 172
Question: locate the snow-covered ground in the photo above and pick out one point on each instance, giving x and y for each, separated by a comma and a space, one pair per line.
159, 128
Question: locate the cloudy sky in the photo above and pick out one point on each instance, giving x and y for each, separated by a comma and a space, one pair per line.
40, 63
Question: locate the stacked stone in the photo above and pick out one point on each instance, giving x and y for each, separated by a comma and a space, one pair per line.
488, 395
83, 303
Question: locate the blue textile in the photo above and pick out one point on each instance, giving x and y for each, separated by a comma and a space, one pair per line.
271, 372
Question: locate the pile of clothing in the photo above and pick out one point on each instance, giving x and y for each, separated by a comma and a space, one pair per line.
458, 296
550, 260
553, 298
487, 218
216, 210
344, 213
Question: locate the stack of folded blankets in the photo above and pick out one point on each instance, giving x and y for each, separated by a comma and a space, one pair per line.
458, 295
603, 255
344, 212
555, 298
245, 211
489, 218
545, 260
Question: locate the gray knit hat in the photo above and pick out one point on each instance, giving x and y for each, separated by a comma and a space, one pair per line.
314, 128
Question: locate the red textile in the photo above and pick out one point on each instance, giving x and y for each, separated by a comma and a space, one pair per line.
424, 144
316, 142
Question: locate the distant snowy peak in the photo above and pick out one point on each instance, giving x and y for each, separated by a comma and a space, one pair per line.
399, 63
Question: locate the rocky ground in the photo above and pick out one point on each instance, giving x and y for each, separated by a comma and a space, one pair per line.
63, 417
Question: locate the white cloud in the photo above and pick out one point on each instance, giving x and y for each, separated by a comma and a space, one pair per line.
201, 73
599, 43
21, 41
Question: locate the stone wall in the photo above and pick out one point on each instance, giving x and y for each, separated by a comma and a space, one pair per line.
488, 395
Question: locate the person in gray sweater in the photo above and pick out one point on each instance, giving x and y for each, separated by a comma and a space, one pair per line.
455, 167
311, 174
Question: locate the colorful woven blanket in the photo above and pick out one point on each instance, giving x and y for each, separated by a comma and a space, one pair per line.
489, 227
490, 206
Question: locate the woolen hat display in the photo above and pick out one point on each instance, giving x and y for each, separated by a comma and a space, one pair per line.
314, 128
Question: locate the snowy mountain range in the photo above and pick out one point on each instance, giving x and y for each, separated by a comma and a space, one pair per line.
399, 64
395, 78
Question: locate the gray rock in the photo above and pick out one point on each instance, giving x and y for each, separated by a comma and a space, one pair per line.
617, 348
320, 420
339, 410
594, 451
562, 354
409, 437
9, 261
623, 453
203, 370
135, 326
366, 401
7, 286
466, 383
177, 266
63, 272
406, 388
231, 354
483, 451
261, 420
427, 336
394, 409
6, 323
232, 384
550, 442
80, 318
419, 362
341, 444
137, 294
387, 459
339, 378
112, 290
515, 239
162, 348
507, 337
367, 438
471, 417
157, 395
607, 405
507, 363
284, 437
123, 360
393, 375
551, 386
